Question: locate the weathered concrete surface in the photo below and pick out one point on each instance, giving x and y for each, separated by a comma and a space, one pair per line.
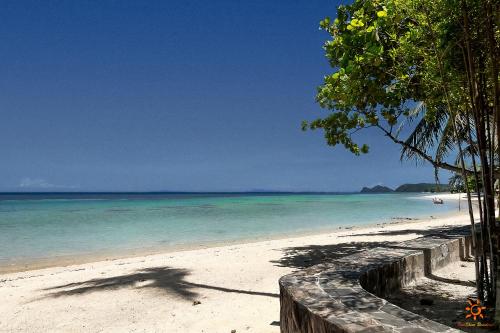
346, 296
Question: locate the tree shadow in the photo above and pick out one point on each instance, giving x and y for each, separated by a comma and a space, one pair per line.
169, 280
446, 307
441, 232
450, 281
306, 256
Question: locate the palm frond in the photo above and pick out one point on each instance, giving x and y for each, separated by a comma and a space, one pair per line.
426, 133
447, 142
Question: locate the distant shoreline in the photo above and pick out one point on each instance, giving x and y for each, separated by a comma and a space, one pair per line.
244, 192
21, 265
138, 195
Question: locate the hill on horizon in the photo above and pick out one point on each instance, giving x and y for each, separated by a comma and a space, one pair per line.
377, 189
418, 187
423, 187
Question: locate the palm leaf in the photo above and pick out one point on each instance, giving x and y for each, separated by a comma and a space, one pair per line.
426, 133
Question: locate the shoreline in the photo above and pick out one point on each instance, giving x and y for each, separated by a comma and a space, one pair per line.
24, 265
197, 290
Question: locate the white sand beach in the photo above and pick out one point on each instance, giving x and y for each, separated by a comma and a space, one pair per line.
217, 289
446, 196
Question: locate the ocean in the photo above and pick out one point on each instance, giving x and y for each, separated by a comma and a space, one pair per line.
41, 226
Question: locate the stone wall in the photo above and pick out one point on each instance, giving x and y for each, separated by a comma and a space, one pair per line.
345, 296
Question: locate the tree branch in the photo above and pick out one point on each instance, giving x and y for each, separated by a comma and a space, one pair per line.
436, 164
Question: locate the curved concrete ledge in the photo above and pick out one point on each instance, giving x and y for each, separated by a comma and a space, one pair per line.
346, 296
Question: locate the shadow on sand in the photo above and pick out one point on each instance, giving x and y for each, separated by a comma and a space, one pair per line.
172, 281
301, 257
441, 232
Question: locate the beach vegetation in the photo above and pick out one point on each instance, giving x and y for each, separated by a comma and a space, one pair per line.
425, 74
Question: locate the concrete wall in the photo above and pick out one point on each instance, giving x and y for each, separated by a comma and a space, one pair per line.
345, 296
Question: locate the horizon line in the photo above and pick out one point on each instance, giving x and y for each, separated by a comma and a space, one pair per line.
170, 192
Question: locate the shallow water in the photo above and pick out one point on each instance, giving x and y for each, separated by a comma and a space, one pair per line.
45, 226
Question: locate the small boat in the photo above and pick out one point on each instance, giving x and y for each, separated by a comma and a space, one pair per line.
437, 201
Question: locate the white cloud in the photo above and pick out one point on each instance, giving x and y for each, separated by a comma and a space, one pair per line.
39, 183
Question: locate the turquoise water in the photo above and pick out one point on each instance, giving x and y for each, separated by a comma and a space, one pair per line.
45, 226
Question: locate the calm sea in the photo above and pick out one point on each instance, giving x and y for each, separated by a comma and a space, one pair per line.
49, 225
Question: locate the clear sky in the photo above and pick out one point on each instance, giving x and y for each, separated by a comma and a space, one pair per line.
173, 95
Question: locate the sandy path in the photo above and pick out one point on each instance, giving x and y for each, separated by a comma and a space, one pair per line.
237, 285
449, 290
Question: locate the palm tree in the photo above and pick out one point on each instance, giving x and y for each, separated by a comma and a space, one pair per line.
435, 136
456, 183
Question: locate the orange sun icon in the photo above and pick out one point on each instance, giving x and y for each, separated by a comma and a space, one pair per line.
475, 309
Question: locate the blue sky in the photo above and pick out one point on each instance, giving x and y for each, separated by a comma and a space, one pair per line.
173, 95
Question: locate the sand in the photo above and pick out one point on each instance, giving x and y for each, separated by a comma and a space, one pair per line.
216, 289
448, 288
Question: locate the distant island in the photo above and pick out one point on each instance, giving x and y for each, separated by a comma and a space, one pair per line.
377, 189
420, 187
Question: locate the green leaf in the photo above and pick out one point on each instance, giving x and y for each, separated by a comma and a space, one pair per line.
324, 24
